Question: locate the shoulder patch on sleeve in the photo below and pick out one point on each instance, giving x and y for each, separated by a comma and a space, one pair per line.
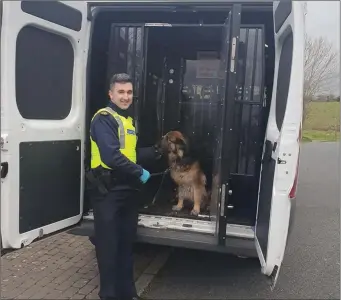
104, 113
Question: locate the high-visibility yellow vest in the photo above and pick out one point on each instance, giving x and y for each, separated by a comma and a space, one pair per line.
127, 137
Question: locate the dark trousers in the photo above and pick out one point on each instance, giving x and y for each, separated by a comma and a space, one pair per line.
115, 219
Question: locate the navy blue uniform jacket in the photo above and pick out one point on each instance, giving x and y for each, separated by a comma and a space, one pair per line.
104, 131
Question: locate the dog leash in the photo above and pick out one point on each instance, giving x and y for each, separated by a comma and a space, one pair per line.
158, 174
164, 173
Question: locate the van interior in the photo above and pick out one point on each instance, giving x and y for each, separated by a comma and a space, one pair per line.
176, 87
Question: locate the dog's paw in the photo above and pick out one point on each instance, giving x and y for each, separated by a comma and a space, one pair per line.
176, 208
195, 212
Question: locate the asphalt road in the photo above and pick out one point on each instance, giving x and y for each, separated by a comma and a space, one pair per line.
311, 268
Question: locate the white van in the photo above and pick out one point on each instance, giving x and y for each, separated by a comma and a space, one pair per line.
228, 74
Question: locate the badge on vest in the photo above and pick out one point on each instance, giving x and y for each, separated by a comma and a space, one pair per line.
130, 131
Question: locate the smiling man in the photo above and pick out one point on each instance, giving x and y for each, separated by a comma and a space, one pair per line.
113, 153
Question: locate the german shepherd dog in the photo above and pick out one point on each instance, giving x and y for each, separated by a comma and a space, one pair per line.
185, 172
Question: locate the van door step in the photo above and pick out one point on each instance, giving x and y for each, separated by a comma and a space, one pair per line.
86, 228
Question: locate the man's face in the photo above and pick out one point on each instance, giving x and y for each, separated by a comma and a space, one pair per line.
121, 94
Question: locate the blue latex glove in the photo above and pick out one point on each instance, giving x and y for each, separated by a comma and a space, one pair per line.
145, 176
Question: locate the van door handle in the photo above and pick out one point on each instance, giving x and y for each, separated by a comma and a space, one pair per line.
274, 147
4, 169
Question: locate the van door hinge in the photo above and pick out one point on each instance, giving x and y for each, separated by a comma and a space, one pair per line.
274, 147
281, 161
4, 169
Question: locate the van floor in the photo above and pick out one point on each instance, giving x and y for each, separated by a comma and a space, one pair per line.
165, 209
165, 198
162, 191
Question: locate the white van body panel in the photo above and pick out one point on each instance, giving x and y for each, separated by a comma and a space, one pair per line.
15, 129
287, 139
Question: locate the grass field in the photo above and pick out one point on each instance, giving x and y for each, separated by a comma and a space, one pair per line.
322, 122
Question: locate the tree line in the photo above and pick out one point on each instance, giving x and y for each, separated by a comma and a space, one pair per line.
321, 71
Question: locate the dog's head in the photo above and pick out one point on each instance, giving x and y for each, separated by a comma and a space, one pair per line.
175, 145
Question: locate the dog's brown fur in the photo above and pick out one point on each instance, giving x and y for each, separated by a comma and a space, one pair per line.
185, 171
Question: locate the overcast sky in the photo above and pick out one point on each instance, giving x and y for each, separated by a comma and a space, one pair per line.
323, 19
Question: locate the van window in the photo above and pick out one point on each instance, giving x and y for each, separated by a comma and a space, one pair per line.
283, 80
43, 74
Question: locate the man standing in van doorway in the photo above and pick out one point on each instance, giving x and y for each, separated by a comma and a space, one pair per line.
113, 162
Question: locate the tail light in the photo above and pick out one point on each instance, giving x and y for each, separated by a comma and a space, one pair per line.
292, 193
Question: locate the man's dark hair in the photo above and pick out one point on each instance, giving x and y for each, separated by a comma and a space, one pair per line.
120, 78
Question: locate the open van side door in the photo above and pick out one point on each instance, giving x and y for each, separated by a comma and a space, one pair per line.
227, 87
43, 67
282, 142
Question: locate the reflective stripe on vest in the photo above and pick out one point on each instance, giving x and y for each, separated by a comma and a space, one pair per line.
127, 138
121, 131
